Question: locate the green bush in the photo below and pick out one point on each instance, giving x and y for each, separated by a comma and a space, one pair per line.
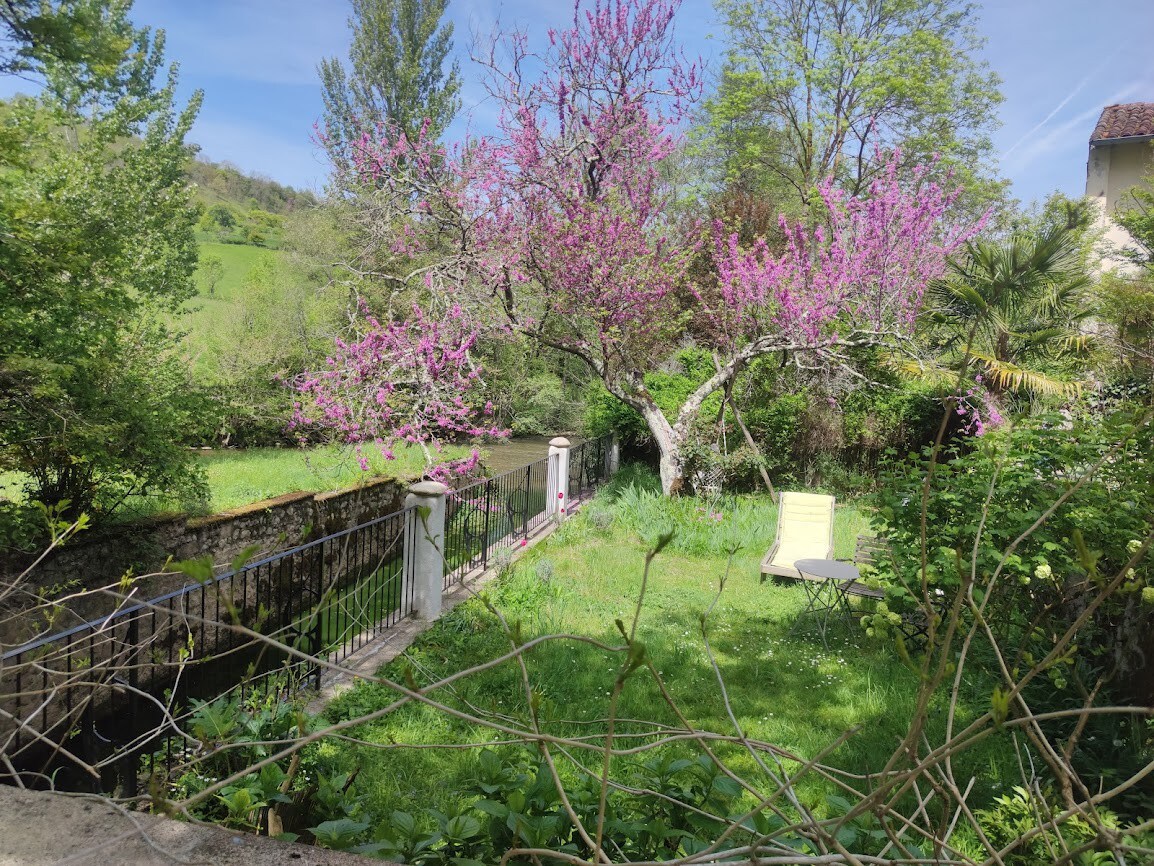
1017, 813
983, 500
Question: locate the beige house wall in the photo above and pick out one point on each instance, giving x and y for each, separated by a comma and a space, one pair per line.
1111, 170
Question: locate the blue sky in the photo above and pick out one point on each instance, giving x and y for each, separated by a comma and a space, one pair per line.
1061, 61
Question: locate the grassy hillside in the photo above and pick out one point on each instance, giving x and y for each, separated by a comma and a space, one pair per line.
213, 313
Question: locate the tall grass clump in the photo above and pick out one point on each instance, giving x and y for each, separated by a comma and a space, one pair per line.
700, 526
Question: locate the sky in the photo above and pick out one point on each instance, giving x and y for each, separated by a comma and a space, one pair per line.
1061, 62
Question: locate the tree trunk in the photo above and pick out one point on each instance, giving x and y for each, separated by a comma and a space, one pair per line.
669, 448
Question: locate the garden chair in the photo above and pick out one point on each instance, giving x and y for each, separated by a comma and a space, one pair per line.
915, 624
804, 531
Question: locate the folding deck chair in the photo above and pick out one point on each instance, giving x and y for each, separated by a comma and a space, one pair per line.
804, 531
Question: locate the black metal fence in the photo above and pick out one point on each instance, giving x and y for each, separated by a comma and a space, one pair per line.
107, 691
103, 692
488, 515
506, 510
588, 467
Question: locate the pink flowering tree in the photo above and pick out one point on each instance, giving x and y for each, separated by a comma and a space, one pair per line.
555, 229
399, 382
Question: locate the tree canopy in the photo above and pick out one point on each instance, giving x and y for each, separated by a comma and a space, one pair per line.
555, 229
98, 250
810, 88
398, 76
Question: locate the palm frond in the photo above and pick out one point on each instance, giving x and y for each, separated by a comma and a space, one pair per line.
1010, 377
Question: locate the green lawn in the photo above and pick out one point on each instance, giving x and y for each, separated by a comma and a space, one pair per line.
238, 260
211, 314
241, 477
238, 478
784, 689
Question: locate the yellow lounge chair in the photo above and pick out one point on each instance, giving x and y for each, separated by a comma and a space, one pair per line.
804, 531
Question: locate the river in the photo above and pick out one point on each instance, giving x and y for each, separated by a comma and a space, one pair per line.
517, 452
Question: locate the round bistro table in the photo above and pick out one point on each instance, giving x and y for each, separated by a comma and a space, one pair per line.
825, 582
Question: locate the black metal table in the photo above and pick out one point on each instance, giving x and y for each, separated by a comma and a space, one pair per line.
825, 582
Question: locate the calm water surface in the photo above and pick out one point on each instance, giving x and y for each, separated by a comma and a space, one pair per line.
518, 452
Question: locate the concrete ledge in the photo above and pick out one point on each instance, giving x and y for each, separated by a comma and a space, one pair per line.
39, 827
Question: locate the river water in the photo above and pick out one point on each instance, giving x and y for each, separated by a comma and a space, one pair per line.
514, 453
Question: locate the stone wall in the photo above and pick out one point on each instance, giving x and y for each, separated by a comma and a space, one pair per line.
94, 560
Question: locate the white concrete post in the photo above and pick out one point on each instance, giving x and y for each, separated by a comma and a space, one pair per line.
557, 485
425, 546
613, 456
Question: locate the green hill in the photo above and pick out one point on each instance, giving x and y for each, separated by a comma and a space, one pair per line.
240, 208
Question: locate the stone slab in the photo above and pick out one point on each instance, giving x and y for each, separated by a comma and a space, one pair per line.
38, 828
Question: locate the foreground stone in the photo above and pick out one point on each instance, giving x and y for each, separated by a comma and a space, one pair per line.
39, 827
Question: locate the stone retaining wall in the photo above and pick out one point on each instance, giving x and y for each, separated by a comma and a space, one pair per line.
94, 560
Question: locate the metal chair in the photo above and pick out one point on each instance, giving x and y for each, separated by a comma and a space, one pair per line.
915, 624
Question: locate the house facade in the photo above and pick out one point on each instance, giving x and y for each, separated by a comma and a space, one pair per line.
1121, 156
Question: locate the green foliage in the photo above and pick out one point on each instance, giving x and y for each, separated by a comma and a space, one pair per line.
1012, 815
984, 500
533, 392
688, 369
277, 324
398, 75
515, 803
98, 253
808, 87
306, 797
86, 38
225, 224
1138, 219
241, 193
1126, 302
210, 270
1015, 308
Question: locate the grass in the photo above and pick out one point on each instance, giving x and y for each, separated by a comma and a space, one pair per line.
238, 260
238, 478
785, 689
210, 314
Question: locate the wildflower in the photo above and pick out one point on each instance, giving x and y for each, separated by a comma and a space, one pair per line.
1043, 571
1148, 594
1133, 545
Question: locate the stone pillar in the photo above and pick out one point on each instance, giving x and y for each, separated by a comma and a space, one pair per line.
613, 456
425, 546
557, 484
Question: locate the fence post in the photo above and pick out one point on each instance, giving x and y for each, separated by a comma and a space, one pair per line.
557, 486
612, 456
425, 546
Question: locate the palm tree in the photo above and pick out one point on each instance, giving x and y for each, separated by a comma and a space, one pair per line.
1015, 308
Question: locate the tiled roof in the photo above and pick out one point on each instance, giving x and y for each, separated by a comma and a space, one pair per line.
1123, 121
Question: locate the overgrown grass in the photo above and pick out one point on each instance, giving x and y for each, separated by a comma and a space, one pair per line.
786, 689
238, 260
238, 478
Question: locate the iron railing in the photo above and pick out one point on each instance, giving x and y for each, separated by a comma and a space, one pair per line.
588, 467
105, 692
498, 512
113, 685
